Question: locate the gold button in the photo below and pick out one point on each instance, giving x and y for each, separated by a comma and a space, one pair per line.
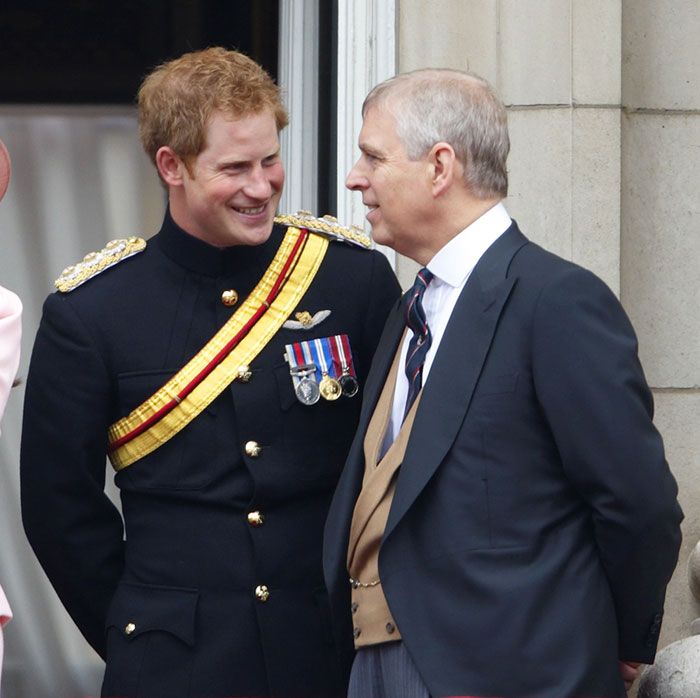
262, 593
130, 627
229, 298
253, 449
244, 373
356, 632
255, 518
390, 627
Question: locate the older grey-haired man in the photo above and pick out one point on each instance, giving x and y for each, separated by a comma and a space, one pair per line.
506, 523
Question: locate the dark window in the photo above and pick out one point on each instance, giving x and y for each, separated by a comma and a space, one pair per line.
91, 52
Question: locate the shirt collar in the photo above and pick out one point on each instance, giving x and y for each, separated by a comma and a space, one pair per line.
457, 259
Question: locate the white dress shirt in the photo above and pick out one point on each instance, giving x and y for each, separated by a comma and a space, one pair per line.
451, 268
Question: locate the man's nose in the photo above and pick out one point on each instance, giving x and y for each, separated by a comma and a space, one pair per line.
258, 185
356, 181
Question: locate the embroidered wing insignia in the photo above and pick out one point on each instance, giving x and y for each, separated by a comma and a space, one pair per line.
305, 320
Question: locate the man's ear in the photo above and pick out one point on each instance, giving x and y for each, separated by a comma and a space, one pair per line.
445, 167
170, 167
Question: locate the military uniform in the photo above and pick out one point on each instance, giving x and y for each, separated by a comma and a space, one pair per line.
217, 589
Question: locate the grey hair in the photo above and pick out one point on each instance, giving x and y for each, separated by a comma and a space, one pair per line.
455, 107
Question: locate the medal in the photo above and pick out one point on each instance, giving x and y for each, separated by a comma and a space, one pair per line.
303, 373
307, 391
322, 368
305, 386
349, 384
329, 386
342, 355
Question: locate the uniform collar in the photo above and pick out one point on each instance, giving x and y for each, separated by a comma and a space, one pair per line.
198, 256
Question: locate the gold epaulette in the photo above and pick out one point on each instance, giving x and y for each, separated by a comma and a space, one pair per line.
328, 226
95, 262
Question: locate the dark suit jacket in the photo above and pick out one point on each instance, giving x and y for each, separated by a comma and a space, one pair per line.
185, 574
535, 523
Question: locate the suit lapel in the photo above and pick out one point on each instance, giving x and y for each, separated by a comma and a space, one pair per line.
455, 371
386, 350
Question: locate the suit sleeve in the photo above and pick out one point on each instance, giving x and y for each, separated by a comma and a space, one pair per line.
596, 400
73, 527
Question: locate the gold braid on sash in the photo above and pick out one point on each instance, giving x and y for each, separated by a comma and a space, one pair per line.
216, 366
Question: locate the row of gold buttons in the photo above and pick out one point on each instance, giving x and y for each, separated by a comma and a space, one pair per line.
262, 593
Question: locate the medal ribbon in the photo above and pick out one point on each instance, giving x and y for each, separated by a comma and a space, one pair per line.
342, 357
320, 350
295, 359
237, 343
309, 358
291, 356
347, 354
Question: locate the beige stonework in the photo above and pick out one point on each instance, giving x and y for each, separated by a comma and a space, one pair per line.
535, 52
661, 61
595, 206
660, 243
596, 52
677, 419
446, 34
540, 179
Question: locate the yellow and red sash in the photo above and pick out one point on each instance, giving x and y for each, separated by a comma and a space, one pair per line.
216, 366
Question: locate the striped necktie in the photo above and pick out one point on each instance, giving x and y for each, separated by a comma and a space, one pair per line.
421, 340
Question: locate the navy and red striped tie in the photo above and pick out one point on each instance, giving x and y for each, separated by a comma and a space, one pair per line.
421, 340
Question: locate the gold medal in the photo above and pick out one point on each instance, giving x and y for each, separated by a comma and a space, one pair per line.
330, 388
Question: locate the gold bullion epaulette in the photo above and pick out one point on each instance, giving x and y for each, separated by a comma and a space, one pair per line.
328, 226
95, 262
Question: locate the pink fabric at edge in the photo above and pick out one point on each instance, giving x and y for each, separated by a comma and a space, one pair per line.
10, 335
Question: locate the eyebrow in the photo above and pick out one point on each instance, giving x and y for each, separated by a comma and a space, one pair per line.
232, 163
369, 150
242, 163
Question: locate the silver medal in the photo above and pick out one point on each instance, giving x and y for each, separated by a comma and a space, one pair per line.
307, 391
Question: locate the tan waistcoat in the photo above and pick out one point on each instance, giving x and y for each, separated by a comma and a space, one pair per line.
372, 619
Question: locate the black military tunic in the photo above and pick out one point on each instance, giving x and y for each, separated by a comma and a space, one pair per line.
213, 586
